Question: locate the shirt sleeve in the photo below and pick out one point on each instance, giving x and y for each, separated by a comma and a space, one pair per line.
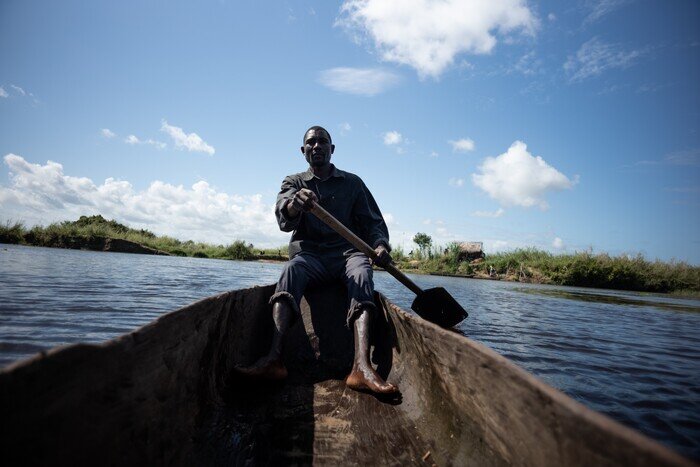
369, 218
287, 192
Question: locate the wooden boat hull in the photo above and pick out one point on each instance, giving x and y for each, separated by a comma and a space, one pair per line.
165, 394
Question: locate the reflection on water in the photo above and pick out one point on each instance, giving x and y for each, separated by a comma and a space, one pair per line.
616, 298
51, 297
634, 357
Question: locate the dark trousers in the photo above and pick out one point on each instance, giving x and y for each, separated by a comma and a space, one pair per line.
308, 269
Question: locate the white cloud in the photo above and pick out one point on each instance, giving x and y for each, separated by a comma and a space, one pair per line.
647, 87
517, 178
456, 182
528, 64
433, 154
389, 219
392, 137
438, 230
132, 139
360, 81
689, 158
495, 246
558, 244
192, 142
442, 235
19, 90
685, 189
107, 133
345, 128
595, 57
552, 17
462, 145
492, 214
44, 193
612, 89
599, 8
157, 144
428, 34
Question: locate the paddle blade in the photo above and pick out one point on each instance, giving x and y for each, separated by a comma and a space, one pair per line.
438, 306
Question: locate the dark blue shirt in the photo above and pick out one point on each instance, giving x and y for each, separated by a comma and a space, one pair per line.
346, 197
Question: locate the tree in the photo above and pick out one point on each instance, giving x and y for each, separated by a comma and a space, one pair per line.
424, 242
238, 250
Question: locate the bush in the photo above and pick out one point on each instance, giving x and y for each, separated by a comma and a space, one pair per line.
465, 269
200, 254
99, 221
12, 233
238, 250
397, 254
424, 242
585, 269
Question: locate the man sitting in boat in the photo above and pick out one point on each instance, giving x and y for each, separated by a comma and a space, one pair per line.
319, 255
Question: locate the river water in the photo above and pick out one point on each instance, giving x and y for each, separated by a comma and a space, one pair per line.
634, 357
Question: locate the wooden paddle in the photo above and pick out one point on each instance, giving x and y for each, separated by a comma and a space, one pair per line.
435, 304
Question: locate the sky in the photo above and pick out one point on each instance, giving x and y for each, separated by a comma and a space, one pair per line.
565, 126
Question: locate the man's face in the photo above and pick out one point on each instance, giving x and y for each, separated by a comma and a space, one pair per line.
317, 148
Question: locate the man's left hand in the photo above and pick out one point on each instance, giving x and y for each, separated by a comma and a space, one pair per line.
383, 257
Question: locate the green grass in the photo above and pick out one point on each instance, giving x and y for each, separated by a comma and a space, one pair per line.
89, 228
586, 269
583, 269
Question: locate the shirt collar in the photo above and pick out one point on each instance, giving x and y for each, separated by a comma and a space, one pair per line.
308, 175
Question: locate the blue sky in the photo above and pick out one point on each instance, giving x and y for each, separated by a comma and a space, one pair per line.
560, 125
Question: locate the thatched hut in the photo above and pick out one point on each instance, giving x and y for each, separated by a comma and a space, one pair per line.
469, 251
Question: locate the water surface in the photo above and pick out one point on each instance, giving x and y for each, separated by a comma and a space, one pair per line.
634, 357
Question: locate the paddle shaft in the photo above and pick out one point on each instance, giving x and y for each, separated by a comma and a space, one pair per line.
360, 244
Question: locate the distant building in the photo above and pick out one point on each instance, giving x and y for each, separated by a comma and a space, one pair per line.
469, 251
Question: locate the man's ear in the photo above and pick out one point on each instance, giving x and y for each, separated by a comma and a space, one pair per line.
332, 148
302, 150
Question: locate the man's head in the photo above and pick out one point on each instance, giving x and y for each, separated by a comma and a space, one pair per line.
318, 146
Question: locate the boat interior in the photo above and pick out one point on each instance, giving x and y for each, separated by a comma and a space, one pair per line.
312, 417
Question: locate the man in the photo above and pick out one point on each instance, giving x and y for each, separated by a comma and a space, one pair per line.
318, 255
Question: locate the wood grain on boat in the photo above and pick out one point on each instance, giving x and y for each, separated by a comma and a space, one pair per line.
165, 394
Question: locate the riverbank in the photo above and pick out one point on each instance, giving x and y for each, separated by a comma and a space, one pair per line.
99, 234
582, 269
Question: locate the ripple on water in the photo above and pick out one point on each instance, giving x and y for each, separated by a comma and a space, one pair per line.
631, 356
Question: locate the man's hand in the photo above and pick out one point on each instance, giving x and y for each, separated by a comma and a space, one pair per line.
383, 257
303, 200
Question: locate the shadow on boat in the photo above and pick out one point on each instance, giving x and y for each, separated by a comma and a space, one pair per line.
273, 423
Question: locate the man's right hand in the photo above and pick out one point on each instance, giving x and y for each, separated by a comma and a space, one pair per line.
303, 200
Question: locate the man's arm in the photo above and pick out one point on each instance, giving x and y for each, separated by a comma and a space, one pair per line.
371, 222
286, 221
291, 202
303, 200
383, 256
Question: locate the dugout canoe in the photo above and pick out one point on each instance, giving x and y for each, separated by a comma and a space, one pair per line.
165, 395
